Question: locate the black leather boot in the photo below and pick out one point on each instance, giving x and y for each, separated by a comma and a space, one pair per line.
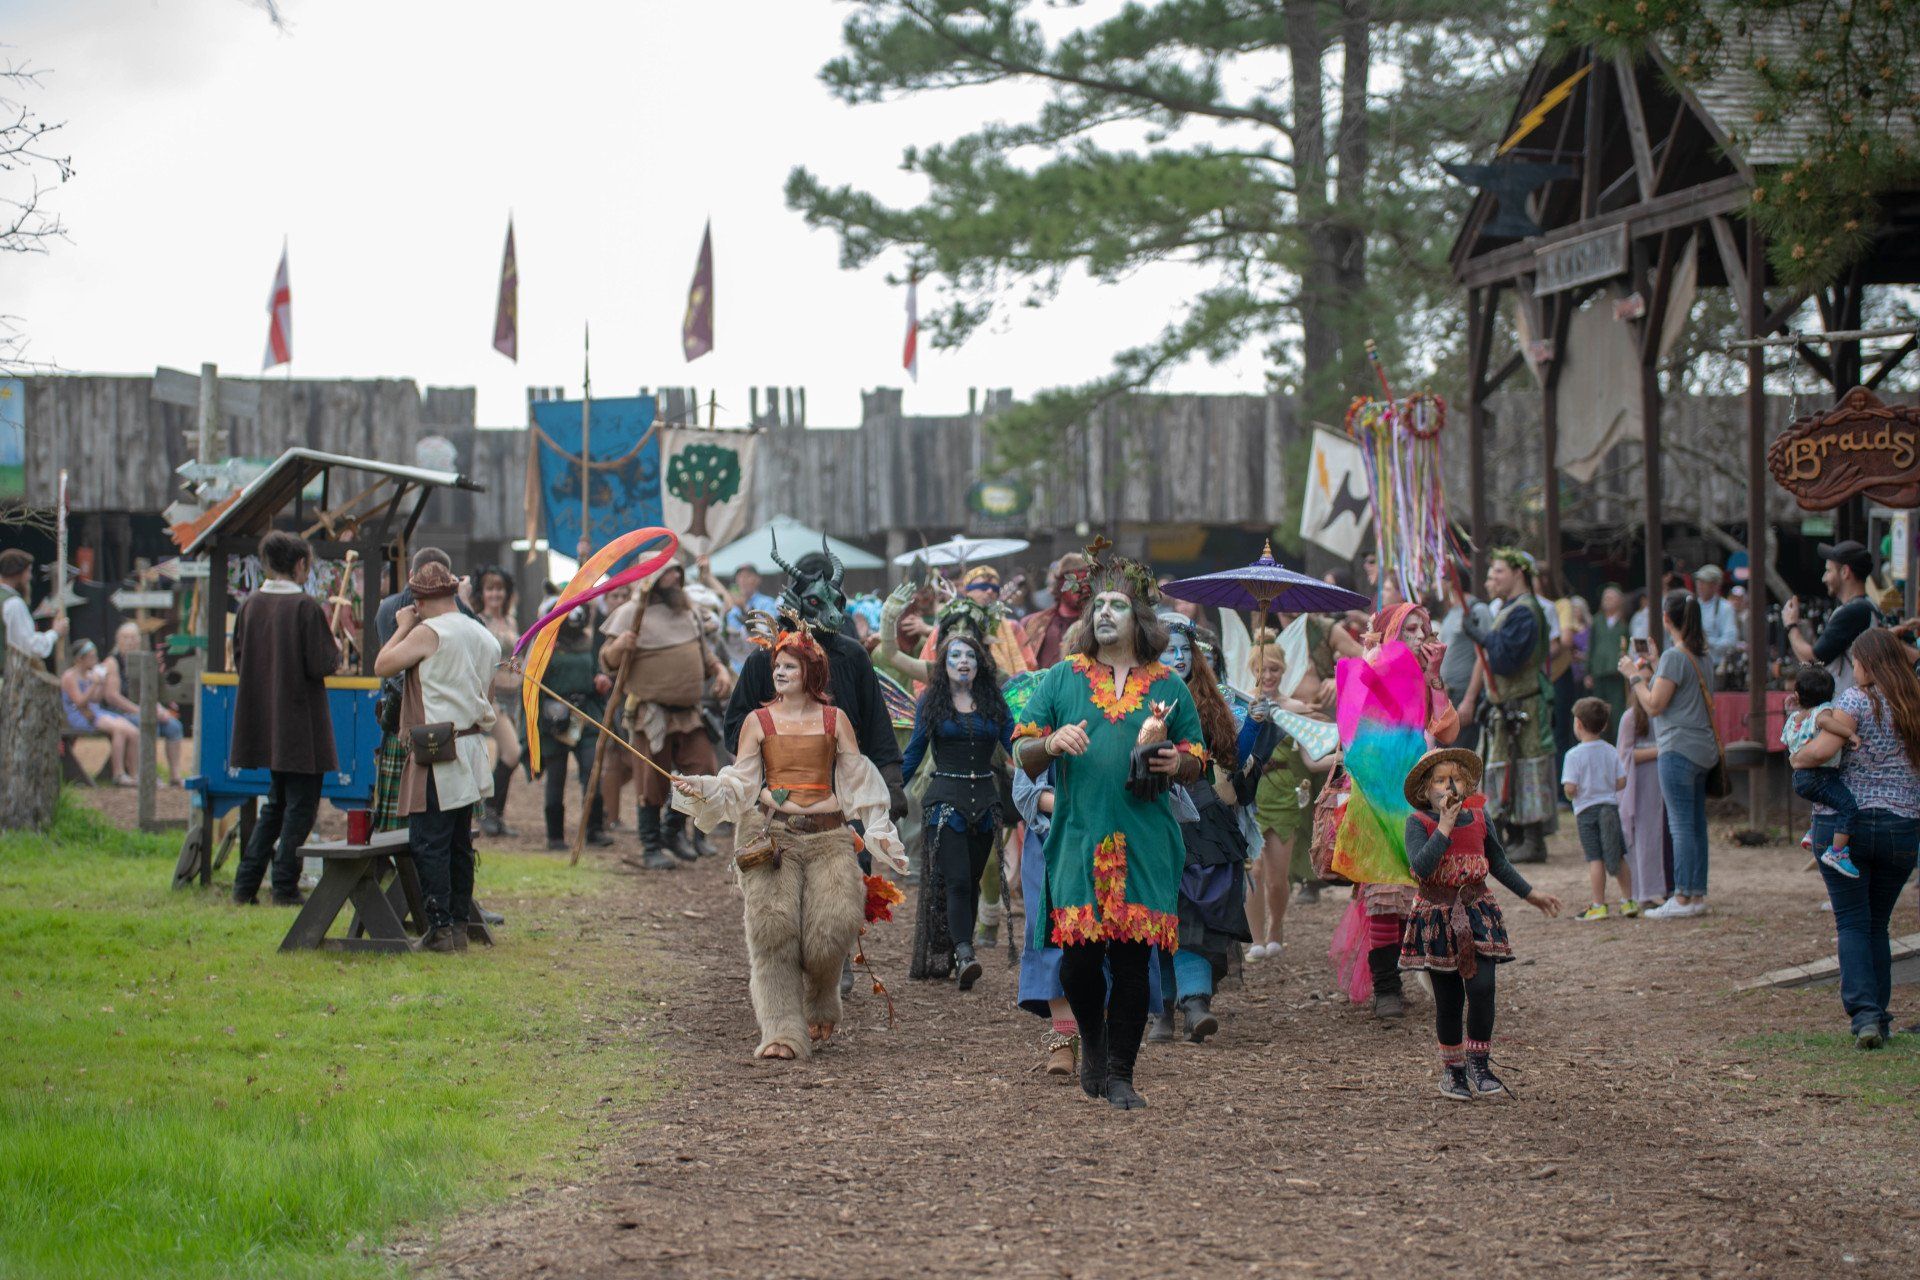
1384, 964
1093, 1060
966, 968
673, 834
652, 855
1200, 1020
556, 826
1123, 1049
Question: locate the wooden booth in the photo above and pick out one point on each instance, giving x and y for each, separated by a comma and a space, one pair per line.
1617, 194
358, 514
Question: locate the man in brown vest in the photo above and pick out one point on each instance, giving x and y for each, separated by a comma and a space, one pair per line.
284, 652
666, 680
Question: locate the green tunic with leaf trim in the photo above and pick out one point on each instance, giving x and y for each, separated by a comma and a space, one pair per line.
1113, 861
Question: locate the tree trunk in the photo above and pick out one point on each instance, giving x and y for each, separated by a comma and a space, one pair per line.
1319, 337
29, 743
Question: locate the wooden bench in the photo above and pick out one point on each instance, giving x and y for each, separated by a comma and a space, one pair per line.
71, 770
380, 880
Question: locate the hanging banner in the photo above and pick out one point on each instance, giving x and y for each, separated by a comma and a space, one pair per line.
623, 472
1338, 505
707, 485
13, 439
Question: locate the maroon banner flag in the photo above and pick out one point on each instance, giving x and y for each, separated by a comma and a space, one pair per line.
506, 313
696, 332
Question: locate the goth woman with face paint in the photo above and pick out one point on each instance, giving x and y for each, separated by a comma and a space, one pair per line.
960, 722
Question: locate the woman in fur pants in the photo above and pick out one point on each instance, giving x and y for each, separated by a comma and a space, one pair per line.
797, 780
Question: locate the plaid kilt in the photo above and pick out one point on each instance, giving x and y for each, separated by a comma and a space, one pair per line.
392, 762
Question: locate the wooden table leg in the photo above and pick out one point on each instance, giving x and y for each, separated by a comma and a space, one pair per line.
477, 928
384, 931
338, 883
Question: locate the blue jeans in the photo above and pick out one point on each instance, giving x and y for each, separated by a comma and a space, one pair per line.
1883, 846
1823, 787
1189, 973
1684, 786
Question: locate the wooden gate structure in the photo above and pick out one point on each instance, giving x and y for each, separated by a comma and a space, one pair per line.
1637, 165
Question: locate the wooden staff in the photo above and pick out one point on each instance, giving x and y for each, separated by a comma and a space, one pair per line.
614, 697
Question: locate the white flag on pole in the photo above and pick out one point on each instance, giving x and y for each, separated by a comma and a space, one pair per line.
910, 358
279, 317
1338, 504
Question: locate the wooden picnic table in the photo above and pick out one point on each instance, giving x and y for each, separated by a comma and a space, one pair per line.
380, 880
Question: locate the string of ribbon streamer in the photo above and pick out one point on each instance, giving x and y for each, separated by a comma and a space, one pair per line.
537, 642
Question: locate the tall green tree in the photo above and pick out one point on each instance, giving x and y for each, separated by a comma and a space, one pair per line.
1286, 148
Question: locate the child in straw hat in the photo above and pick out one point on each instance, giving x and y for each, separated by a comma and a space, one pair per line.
1455, 924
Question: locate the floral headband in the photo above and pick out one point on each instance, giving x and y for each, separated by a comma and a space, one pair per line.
1513, 558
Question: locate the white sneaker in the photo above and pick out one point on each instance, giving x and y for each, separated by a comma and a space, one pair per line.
1671, 909
1258, 951
1698, 907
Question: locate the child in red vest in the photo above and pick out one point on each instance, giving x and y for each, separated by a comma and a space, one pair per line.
1455, 930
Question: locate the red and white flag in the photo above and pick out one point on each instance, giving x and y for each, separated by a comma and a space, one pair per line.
280, 317
910, 358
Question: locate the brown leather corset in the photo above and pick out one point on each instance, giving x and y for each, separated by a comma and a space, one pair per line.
798, 762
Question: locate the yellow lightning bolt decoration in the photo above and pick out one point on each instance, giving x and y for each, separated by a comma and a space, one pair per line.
1320, 464
1541, 109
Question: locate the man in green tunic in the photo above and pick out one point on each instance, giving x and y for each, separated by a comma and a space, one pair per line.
1518, 744
1114, 854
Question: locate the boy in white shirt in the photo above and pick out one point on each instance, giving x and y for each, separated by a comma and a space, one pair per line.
1593, 777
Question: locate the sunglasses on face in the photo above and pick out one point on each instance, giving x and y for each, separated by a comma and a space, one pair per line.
984, 587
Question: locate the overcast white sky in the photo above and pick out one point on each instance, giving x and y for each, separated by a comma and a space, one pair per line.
388, 139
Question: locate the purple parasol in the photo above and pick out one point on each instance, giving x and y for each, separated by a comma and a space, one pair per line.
1266, 586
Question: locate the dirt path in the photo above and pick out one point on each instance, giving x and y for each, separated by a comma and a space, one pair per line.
1306, 1139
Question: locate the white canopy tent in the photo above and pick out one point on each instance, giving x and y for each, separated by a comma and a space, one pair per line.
795, 539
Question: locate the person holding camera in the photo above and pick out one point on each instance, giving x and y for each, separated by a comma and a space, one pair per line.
1848, 567
1678, 693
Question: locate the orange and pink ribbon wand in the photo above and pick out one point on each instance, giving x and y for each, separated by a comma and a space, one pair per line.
538, 640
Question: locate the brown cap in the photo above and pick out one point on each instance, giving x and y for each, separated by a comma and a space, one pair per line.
431, 581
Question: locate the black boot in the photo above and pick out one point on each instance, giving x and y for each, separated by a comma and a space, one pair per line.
1123, 1048
1200, 1020
1160, 1028
1093, 1060
652, 856
493, 820
673, 834
556, 826
1384, 964
966, 968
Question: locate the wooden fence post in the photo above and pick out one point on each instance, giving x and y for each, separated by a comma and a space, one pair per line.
146, 677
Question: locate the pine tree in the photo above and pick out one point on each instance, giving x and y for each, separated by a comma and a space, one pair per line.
1181, 130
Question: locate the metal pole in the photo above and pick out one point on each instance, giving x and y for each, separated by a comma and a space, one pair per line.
586, 444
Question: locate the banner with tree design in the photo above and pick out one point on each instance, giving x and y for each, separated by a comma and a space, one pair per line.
706, 486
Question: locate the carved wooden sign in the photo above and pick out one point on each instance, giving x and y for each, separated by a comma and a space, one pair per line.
1859, 446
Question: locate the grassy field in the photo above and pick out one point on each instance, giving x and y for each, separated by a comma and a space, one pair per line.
1885, 1081
177, 1099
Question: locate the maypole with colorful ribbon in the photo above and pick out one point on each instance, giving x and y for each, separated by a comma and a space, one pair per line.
1400, 452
